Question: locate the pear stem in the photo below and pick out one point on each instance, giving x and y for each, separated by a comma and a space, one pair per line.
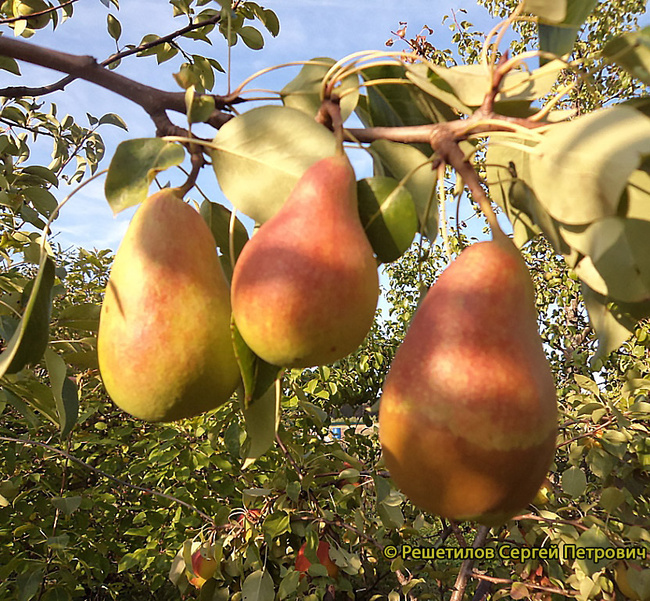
197, 165
449, 152
329, 115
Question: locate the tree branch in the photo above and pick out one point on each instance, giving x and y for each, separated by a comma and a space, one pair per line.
153, 100
530, 585
18, 91
467, 566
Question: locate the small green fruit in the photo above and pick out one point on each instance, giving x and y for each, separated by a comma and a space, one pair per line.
388, 216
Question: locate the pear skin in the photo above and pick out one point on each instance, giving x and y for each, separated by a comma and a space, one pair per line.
305, 287
164, 341
468, 414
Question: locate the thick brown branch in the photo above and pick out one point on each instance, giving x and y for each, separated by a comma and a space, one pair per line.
19, 91
467, 566
153, 100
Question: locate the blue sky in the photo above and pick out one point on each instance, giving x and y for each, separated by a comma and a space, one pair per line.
309, 28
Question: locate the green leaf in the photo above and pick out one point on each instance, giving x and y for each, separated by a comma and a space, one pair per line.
218, 219
9, 64
29, 341
636, 200
113, 119
303, 92
277, 524
585, 164
611, 498
430, 82
574, 481
390, 512
252, 37
289, 584
397, 161
471, 83
617, 258
64, 391
388, 216
639, 581
82, 359
42, 200
550, 10
592, 539
262, 417
199, 106
519, 590
612, 329
84, 316
258, 586
57, 593
396, 104
558, 37
42, 173
257, 374
133, 167
114, 27
270, 20
631, 51
31, 216
67, 505
29, 583
507, 173
259, 157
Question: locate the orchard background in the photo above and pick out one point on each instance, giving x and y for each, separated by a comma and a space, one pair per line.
98, 505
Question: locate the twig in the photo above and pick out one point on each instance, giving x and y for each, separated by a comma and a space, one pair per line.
537, 518
404, 581
36, 14
537, 587
197, 164
587, 434
288, 455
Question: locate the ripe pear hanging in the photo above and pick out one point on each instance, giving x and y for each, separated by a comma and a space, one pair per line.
305, 287
164, 342
468, 414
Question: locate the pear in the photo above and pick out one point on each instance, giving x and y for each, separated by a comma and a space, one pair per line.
305, 287
468, 413
164, 341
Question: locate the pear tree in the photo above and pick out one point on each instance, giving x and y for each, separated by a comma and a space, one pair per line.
292, 488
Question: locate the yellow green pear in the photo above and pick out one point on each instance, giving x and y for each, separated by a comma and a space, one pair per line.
468, 413
305, 287
164, 340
